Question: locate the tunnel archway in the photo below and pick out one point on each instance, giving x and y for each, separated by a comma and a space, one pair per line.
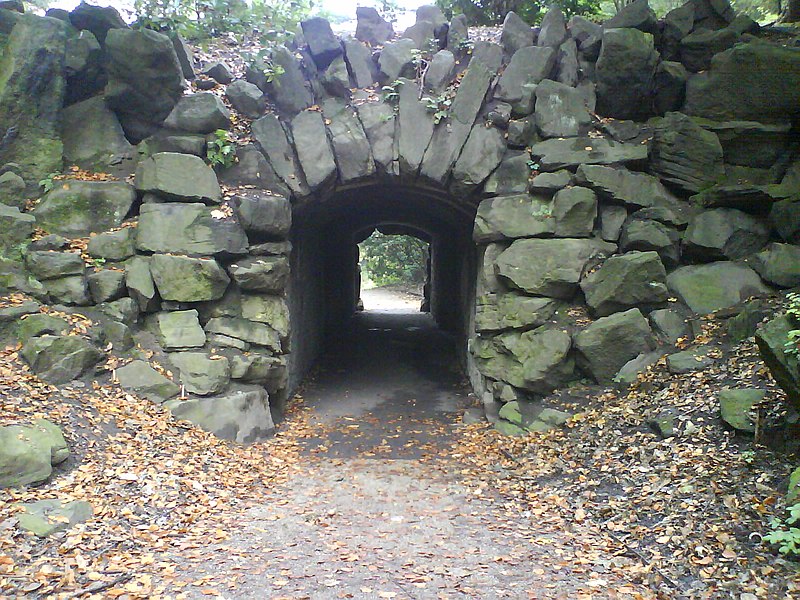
324, 290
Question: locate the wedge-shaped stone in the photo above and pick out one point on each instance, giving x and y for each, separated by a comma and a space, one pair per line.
550, 267
624, 186
495, 312
509, 217
555, 154
313, 149
201, 373
176, 330
78, 208
271, 137
180, 177
187, 279
350, 143
626, 281
142, 379
708, 288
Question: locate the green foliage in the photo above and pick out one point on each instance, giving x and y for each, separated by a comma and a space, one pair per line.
220, 150
49, 182
391, 92
439, 106
785, 534
202, 19
492, 12
793, 310
387, 259
97, 262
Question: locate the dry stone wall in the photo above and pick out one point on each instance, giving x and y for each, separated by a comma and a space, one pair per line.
622, 177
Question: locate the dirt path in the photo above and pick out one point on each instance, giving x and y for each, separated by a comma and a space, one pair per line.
378, 507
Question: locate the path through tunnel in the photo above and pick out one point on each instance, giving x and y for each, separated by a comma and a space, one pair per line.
373, 370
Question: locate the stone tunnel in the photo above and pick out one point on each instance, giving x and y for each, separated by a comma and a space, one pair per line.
586, 189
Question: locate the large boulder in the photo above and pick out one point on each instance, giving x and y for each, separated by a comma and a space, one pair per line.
193, 229
778, 264
93, 137
516, 216
516, 33
708, 288
246, 98
142, 379
78, 208
289, 89
625, 70
271, 137
637, 15
771, 339
187, 279
757, 81
630, 280
495, 312
558, 267
113, 245
199, 113
609, 343
59, 359
178, 177
32, 93
723, 233
144, 79
28, 452
685, 155
242, 415
201, 373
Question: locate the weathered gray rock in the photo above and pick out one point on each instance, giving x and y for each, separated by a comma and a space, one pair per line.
92, 135
178, 177
33, 325
371, 27
548, 183
637, 15
336, 79
648, 234
522, 132
511, 176
78, 208
15, 227
553, 30
634, 279
574, 212
685, 155
99, 20
139, 282
59, 359
349, 142
199, 113
723, 233
749, 143
246, 98
689, 361
612, 218
422, 33
265, 214
379, 122
610, 342
481, 154
488, 281
415, 129
47, 517
313, 149
735, 406
142, 379
440, 71
771, 339
708, 288
259, 334
568, 63
588, 35
219, 72
555, 154
560, 110
778, 264
624, 186
177, 330
516, 34
625, 70
242, 415
171, 141
785, 219
322, 43
669, 85
396, 60
560, 264
32, 93
192, 228
669, 325
144, 79
70, 290
271, 310
186, 279
289, 89
529, 66
28, 452
496, 312
106, 285
271, 137
185, 56
360, 64
51, 265
261, 274
113, 245
450, 139
268, 371
12, 190
737, 87
252, 169
83, 67
201, 373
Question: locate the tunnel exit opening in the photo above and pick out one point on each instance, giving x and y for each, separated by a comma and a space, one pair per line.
327, 273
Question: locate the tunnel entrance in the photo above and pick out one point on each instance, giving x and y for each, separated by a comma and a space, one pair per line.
325, 289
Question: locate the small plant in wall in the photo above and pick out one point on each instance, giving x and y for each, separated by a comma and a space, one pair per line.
793, 310
49, 182
220, 150
262, 61
786, 532
440, 107
391, 92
